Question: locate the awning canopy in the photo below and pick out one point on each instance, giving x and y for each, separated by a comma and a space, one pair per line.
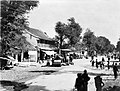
67, 50
45, 48
50, 52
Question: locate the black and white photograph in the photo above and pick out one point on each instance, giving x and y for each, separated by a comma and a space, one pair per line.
60, 45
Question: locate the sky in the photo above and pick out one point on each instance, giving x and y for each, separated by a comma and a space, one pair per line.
100, 16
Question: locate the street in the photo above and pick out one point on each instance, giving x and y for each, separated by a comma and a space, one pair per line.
64, 80
80, 37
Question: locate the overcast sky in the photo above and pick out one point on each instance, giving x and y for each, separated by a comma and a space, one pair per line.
101, 16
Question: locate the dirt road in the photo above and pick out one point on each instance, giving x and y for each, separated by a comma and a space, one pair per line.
64, 80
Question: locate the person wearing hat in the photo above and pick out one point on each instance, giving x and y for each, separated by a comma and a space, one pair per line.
98, 83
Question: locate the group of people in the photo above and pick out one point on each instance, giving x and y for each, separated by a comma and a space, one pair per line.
64, 59
82, 82
102, 66
98, 63
68, 58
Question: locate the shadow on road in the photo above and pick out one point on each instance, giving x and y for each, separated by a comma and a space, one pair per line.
36, 88
16, 86
41, 88
13, 86
45, 72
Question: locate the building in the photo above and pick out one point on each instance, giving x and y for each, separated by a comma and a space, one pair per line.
39, 43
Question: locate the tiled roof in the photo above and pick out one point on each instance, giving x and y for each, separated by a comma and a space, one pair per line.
38, 33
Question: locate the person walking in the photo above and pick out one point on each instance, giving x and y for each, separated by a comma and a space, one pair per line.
98, 83
108, 58
103, 60
86, 78
79, 82
71, 59
108, 64
92, 58
115, 71
96, 63
101, 65
93, 63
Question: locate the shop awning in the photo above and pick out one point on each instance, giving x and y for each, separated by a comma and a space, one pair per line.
45, 48
50, 52
67, 50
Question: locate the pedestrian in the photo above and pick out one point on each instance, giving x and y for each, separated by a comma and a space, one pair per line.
115, 57
71, 59
48, 60
115, 71
108, 64
93, 63
52, 59
108, 58
103, 60
101, 64
79, 82
67, 59
86, 78
96, 63
92, 58
98, 83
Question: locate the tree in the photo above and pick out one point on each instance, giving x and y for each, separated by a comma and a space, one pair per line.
73, 32
103, 45
70, 31
80, 46
100, 43
110, 48
89, 41
60, 28
118, 46
14, 22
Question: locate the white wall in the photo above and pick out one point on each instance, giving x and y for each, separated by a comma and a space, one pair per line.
33, 56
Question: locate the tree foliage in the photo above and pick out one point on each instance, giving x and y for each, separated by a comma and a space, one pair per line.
118, 46
70, 31
74, 31
99, 44
102, 44
110, 48
14, 22
60, 28
89, 41
80, 46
